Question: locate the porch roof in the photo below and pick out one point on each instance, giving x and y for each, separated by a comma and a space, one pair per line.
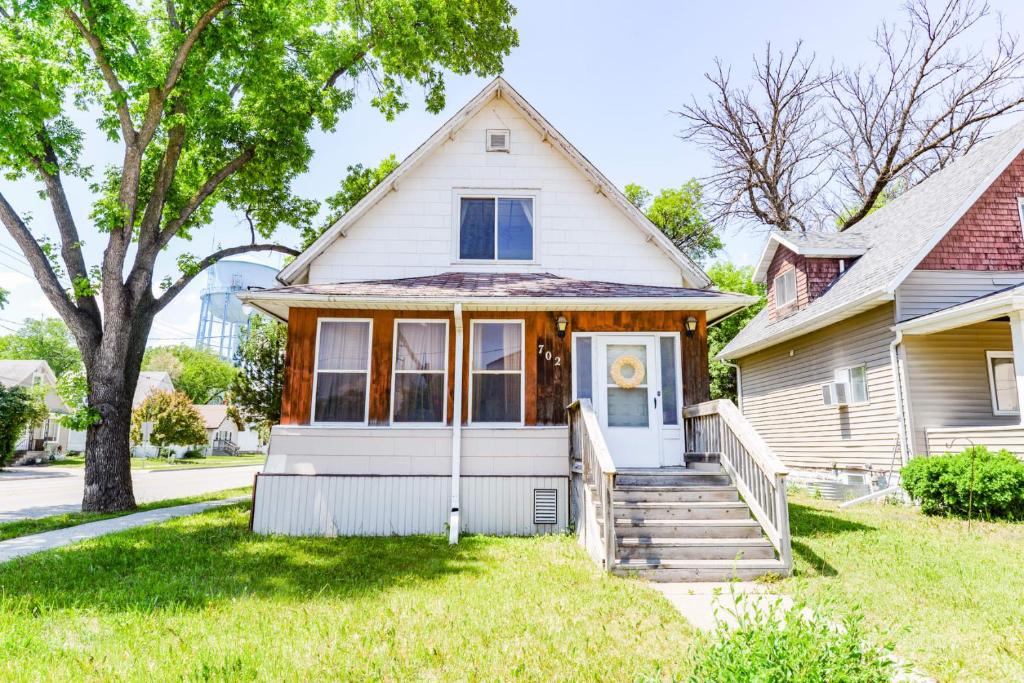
493, 291
995, 305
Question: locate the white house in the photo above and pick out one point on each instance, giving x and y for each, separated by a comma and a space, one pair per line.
28, 374
440, 330
221, 430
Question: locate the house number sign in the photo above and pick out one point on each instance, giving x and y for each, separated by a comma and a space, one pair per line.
548, 356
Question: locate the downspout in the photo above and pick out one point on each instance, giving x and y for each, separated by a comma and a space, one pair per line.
897, 382
453, 519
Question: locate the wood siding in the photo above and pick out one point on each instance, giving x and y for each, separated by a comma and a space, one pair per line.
813, 277
947, 378
298, 505
956, 439
927, 291
547, 385
782, 395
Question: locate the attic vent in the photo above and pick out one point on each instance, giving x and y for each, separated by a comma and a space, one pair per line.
497, 140
545, 506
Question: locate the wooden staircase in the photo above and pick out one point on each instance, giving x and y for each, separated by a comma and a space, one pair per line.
720, 517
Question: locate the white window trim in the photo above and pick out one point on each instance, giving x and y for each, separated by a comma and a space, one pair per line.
867, 391
775, 286
989, 355
396, 371
317, 371
522, 372
494, 193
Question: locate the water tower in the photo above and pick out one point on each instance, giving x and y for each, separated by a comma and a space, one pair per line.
222, 316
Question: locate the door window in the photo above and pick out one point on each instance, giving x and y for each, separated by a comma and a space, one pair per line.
627, 385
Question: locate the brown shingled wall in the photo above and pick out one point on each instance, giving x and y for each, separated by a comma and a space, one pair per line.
813, 277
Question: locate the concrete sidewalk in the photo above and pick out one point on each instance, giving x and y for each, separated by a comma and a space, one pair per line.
36, 543
698, 601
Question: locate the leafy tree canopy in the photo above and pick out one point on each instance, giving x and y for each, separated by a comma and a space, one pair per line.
258, 386
43, 339
175, 420
730, 278
681, 215
199, 373
356, 185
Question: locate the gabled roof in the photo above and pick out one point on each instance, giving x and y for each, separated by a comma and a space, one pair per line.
896, 238
498, 88
213, 416
150, 381
19, 373
495, 291
811, 245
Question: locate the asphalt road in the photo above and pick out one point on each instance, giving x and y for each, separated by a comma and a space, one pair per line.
29, 492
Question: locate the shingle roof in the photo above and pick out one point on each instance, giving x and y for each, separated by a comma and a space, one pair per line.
896, 237
213, 416
19, 373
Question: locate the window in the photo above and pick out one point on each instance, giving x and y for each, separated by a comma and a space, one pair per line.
583, 367
420, 381
856, 379
669, 393
496, 365
1002, 379
496, 228
342, 371
785, 288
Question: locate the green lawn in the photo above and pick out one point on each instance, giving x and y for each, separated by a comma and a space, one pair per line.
200, 598
951, 601
25, 527
174, 463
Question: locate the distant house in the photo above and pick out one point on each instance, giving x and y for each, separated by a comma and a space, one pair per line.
28, 374
150, 381
221, 430
903, 335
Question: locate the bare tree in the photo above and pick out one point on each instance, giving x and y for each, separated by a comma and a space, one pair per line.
926, 101
769, 154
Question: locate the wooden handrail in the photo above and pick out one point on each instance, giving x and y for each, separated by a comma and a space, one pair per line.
587, 446
731, 415
589, 415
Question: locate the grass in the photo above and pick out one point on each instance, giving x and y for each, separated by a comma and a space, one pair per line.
26, 527
173, 463
200, 598
949, 600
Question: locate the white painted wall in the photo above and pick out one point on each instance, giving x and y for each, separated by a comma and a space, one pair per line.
577, 232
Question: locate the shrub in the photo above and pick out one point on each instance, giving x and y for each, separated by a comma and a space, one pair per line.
794, 647
175, 420
943, 483
18, 409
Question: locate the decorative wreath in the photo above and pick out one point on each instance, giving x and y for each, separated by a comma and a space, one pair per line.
639, 372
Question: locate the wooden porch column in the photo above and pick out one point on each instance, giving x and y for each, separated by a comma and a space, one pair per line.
1017, 335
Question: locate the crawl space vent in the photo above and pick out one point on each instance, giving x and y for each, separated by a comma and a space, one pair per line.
545, 506
497, 140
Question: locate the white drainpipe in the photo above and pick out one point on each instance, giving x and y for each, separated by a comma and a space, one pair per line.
897, 383
453, 520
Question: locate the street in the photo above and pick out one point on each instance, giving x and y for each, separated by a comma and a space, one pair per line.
38, 492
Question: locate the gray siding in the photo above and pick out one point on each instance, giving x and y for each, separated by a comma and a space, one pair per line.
926, 291
782, 395
947, 378
942, 439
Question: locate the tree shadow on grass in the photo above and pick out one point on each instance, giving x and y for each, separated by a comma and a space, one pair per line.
211, 557
808, 522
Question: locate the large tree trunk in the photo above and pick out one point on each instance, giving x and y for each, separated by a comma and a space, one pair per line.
113, 374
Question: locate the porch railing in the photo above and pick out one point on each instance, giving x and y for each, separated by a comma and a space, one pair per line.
589, 455
719, 427
224, 447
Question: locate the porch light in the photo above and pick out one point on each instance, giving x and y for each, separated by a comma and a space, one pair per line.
691, 326
561, 324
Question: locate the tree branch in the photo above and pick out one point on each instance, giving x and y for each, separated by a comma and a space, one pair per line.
190, 40
213, 258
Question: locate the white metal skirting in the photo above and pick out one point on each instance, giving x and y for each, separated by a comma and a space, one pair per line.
355, 505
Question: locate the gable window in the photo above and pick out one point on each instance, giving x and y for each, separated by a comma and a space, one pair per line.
420, 379
855, 378
342, 376
785, 288
496, 369
496, 228
1002, 379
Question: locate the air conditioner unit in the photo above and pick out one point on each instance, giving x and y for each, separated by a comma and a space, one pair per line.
835, 393
497, 140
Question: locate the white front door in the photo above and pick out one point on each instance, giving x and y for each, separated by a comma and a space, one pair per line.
627, 387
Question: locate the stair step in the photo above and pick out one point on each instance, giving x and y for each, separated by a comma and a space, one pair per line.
674, 477
687, 528
683, 510
637, 547
710, 462
698, 570
679, 494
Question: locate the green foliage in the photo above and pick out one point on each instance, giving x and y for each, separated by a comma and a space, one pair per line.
356, 185
175, 420
680, 213
73, 389
989, 485
18, 408
791, 646
257, 388
200, 373
43, 339
730, 278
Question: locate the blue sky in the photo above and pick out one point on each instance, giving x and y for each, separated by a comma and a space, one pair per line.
607, 74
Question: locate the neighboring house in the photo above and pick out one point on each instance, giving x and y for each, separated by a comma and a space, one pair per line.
439, 330
28, 374
221, 430
149, 382
903, 335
